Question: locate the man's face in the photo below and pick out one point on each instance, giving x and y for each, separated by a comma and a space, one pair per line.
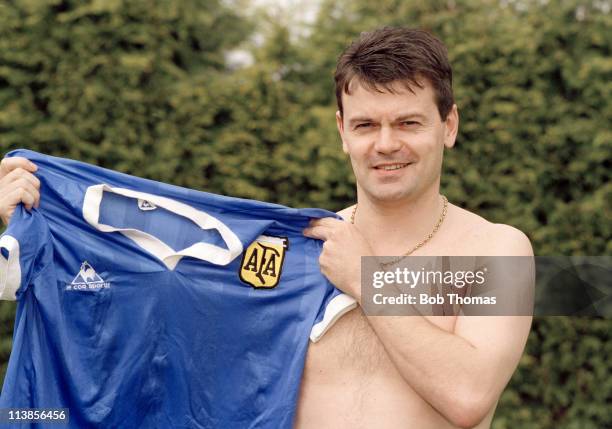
395, 140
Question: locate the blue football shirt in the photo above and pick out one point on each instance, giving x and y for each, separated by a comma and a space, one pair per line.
142, 304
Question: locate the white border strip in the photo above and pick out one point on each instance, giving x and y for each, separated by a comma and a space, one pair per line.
336, 308
10, 270
271, 240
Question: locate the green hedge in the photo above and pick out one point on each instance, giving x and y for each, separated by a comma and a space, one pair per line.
564, 377
143, 87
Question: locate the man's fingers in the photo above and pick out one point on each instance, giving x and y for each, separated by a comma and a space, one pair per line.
17, 185
326, 222
21, 191
27, 195
17, 174
318, 232
9, 164
321, 228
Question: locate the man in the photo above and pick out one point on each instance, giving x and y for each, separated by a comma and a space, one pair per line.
396, 116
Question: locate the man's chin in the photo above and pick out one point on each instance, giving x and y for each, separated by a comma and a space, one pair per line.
390, 195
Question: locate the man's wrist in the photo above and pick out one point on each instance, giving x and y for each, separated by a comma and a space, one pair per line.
355, 291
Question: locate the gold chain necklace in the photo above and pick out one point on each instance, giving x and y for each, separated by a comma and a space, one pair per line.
422, 243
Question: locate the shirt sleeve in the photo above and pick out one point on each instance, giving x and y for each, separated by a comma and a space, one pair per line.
20, 247
335, 305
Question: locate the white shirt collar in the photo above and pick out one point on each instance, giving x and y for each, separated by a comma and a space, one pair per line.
204, 251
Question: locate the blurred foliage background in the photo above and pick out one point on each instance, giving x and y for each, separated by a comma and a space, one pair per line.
149, 87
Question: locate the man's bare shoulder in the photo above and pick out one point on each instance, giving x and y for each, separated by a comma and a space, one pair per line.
346, 212
478, 236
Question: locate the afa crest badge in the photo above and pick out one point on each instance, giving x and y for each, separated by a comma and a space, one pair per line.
262, 261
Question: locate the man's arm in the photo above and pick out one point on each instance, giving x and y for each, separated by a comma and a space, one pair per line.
460, 373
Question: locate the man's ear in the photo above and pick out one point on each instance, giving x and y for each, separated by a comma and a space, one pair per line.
451, 127
340, 125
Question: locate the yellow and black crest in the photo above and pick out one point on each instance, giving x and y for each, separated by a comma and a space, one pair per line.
262, 261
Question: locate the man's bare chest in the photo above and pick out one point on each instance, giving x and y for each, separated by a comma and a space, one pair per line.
350, 370
352, 348
349, 350
351, 345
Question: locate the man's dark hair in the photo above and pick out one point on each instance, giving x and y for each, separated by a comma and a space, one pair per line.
386, 56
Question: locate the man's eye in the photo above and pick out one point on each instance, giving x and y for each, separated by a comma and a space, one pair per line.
364, 125
409, 123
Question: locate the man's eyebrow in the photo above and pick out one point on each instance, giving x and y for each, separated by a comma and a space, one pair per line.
411, 115
401, 117
360, 119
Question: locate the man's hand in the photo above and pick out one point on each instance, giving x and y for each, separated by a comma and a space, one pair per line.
340, 259
17, 185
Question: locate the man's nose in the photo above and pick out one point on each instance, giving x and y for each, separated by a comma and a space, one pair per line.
387, 141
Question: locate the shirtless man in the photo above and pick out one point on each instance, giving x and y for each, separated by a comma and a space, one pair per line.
396, 116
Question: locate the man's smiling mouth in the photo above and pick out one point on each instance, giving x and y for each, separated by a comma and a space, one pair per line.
390, 167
